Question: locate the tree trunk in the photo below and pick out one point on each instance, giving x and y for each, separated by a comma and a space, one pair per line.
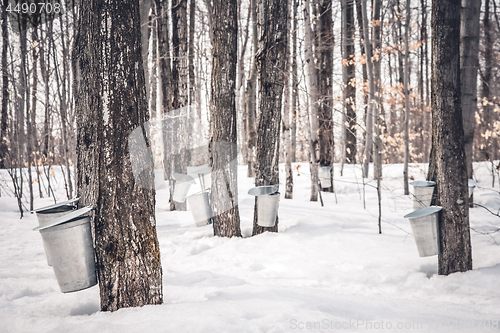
295, 83
311, 80
407, 99
180, 79
271, 64
251, 97
286, 124
325, 87
377, 80
223, 141
5, 91
359, 16
371, 93
111, 105
486, 149
469, 63
349, 77
456, 255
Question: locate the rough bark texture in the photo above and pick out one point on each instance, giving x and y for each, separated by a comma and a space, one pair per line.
469, 63
271, 62
223, 141
325, 82
349, 78
111, 104
448, 138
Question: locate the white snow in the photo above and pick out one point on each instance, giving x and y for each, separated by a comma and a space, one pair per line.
327, 270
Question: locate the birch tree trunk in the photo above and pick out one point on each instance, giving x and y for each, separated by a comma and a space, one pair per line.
271, 64
223, 141
311, 80
111, 105
251, 97
456, 254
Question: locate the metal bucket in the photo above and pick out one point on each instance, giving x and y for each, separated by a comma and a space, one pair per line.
50, 213
472, 185
425, 227
159, 179
422, 193
181, 188
200, 208
69, 243
203, 172
267, 209
267, 204
325, 178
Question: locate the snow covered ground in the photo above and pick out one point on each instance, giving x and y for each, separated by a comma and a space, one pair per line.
327, 270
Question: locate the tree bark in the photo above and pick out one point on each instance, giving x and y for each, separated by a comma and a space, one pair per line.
5, 91
287, 108
312, 80
371, 93
325, 86
469, 63
271, 63
349, 77
456, 254
223, 141
111, 106
407, 99
251, 97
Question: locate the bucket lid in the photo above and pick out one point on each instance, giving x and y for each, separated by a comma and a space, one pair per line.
423, 212
64, 218
64, 203
199, 170
262, 190
182, 178
423, 183
472, 183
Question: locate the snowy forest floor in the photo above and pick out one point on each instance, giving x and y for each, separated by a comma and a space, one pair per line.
327, 270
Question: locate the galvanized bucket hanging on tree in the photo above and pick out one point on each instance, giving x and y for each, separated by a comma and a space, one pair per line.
200, 208
52, 212
425, 227
182, 185
68, 241
422, 193
325, 178
268, 199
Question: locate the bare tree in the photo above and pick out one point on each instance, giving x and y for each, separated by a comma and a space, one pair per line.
223, 140
349, 78
312, 89
271, 64
448, 139
111, 106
